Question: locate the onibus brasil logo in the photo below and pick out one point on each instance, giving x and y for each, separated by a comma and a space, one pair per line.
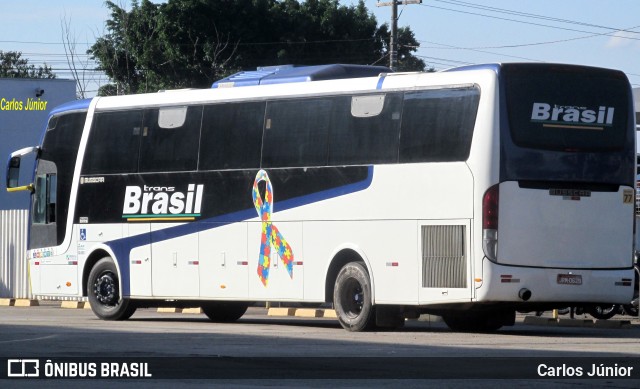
162, 203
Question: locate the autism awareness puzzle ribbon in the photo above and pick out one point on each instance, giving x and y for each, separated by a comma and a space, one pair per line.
271, 237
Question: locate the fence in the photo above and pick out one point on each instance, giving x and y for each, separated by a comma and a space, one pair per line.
14, 275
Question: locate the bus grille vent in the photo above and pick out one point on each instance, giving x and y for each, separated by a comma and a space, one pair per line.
444, 262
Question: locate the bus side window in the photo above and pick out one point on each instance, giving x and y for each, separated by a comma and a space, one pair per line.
365, 130
170, 139
437, 125
45, 199
296, 132
231, 136
114, 143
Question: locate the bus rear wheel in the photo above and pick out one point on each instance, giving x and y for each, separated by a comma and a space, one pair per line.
352, 298
103, 289
224, 311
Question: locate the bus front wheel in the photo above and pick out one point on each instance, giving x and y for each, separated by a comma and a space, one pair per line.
352, 298
103, 289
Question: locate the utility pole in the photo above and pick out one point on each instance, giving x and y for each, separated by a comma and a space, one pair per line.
393, 41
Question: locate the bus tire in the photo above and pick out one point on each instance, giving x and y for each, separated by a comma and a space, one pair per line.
103, 290
603, 311
352, 298
224, 311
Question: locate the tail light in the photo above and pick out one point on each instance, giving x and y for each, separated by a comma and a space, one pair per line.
490, 203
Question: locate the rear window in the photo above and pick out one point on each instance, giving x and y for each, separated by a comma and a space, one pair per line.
567, 108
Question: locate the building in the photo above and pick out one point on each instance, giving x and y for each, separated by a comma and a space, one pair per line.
25, 104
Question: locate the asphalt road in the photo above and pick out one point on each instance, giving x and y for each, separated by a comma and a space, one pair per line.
259, 350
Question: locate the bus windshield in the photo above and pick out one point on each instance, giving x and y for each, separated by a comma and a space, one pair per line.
567, 117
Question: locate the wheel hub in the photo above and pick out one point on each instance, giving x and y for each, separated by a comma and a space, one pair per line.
355, 298
105, 289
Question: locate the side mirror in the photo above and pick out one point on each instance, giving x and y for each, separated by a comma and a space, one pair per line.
13, 172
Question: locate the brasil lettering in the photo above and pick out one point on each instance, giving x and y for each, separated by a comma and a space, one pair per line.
162, 203
560, 116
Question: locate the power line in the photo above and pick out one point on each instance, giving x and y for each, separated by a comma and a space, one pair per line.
545, 42
516, 21
482, 51
524, 14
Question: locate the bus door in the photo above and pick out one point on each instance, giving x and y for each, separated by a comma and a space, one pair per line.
58, 274
224, 268
140, 259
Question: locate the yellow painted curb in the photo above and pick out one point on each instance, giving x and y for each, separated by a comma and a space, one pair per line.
281, 312
7, 302
192, 310
169, 310
307, 312
330, 313
72, 304
87, 305
26, 303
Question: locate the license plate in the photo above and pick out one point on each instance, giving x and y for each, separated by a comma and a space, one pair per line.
569, 279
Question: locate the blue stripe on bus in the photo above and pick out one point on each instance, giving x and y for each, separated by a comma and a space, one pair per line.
122, 247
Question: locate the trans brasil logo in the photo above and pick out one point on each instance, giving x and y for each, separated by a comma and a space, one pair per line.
162, 203
569, 116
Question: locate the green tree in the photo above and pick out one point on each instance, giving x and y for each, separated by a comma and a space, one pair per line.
191, 43
12, 65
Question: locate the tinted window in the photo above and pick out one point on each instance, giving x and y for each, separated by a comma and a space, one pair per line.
113, 143
437, 125
360, 136
62, 138
296, 132
231, 136
567, 108
59, 151
170, 139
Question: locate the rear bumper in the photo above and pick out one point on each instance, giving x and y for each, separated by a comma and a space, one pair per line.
502, 283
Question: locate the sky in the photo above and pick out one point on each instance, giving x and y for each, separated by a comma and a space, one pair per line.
451, 32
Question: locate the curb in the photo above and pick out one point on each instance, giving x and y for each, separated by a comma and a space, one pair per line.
302, 312
26, 303
546, 321
612, 323
169, 310
75, 305
72, 305
429, 318
7, 302
196, 310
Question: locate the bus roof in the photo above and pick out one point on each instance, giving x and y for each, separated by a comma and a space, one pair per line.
74, 105
291, 73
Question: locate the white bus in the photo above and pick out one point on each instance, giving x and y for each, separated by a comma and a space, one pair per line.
469, 193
